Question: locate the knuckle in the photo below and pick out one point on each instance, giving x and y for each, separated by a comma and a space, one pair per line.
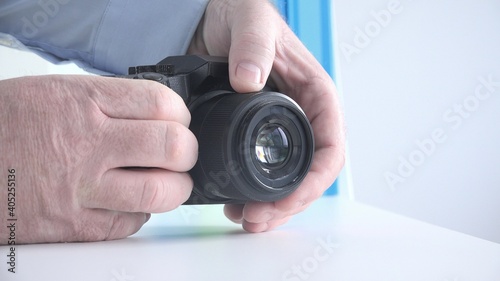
160, 101
167, 104
256, 43
162, 196
152, 195
174, 149
181, 147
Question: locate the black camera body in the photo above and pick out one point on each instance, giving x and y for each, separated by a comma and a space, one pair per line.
252, 147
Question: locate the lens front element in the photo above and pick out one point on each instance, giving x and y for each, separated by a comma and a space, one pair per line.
272, 147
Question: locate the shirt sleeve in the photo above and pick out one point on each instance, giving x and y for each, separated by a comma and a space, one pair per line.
108, 35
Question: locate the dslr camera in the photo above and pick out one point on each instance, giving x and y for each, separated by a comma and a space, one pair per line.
252, 146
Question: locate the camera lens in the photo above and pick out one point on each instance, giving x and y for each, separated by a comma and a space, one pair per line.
252, 147
272, 146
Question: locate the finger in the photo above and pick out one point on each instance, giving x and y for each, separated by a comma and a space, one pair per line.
265, 226
275, 223
261, 212
329, 157
138, 99
325, 168
319, 100
162, 144
147, 190
99, 225
126, 224
234, 212
297, 73
253, 42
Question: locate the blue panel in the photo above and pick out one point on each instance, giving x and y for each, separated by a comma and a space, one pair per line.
311, 21
282, 7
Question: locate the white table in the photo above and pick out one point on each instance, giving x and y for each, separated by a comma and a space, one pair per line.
335, 239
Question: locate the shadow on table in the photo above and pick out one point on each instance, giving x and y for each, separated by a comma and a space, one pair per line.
186, 232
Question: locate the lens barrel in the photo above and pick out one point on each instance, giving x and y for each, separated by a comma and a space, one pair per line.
252, 147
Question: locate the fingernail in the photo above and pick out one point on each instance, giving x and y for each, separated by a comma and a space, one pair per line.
249, 72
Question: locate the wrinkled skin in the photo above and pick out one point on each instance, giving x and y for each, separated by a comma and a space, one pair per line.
259, 45
67, 137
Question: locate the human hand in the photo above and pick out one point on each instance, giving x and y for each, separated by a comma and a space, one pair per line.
68, 137
259, 44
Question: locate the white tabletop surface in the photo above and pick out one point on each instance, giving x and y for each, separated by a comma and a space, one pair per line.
335, 239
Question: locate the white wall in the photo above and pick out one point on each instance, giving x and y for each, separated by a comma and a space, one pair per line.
418, 111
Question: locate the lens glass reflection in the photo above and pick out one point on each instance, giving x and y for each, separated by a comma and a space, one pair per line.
272, 145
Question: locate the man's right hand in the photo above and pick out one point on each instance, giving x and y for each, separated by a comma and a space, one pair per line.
72, 141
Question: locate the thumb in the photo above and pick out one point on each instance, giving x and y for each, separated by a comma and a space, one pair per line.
253, 43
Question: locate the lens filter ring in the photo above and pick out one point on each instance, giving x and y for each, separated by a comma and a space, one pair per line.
252, 147
276, 145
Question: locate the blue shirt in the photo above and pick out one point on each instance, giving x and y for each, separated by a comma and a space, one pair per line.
110, 35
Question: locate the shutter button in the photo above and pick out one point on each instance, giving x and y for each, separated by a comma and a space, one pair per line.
153, 76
